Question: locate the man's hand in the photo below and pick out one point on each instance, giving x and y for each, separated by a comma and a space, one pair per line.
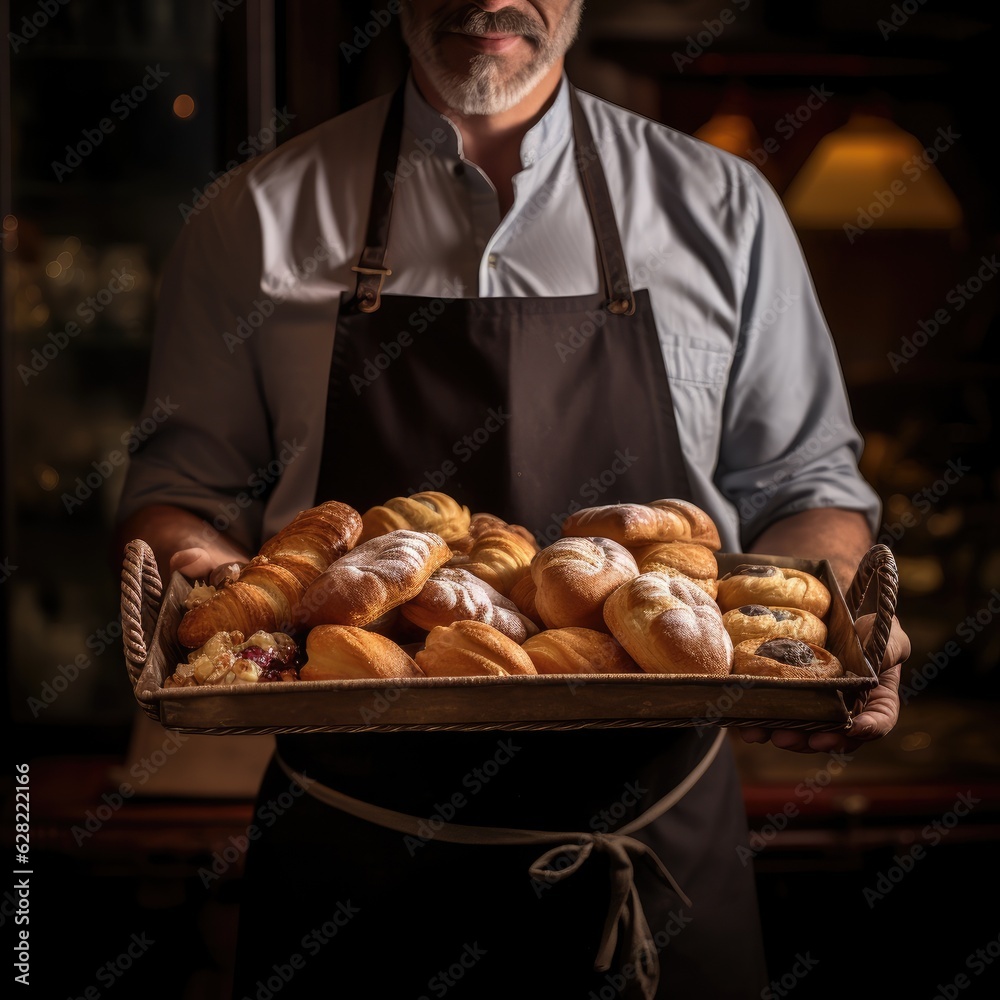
199, 562
878, 718
181, 541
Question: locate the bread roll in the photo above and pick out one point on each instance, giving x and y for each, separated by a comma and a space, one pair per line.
373, 578
754, 621
267, 594
428, 511
693, 560
785, 658
578, 651
773, 587
470, 649
635, 523
523, 593
573, 578
338, 652
668, 624
453, 594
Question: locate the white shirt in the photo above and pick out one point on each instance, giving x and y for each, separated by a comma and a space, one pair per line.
249, 302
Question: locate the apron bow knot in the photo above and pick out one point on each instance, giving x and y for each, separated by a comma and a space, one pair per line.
624, 907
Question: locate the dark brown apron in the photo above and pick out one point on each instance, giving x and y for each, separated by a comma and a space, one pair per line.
527, 408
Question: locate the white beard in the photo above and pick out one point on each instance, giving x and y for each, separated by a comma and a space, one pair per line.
485, 90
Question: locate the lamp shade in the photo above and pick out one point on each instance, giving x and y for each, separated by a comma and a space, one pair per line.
872, 174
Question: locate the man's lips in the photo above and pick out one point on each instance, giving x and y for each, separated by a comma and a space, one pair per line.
492, 42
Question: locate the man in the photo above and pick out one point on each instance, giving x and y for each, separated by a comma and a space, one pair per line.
494, 286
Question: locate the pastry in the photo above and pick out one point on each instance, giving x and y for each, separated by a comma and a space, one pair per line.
522, 593
773, 587
578, 651
754, 621
638, 523
785, 658
574, 576
454, 594
499, 552
428, 511
266, 594
469, 649
668, 624
693, 560
338, 652
373, 578
228, 658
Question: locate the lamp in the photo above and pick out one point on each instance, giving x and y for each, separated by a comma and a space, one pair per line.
872, 174
730, 131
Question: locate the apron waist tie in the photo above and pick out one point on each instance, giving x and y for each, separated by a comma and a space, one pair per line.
625, 906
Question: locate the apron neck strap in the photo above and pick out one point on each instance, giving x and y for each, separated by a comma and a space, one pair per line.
371, 269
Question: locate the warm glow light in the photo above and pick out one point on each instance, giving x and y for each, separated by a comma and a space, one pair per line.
65, 259
731, 132
872, 174
184, 105
10, 223
53, 269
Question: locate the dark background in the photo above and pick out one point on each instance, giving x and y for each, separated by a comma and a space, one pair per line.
123, 206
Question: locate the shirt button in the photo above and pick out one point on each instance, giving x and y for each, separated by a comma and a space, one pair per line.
492, 260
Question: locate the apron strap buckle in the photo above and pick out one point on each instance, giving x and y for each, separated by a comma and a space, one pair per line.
625, 306
369, 291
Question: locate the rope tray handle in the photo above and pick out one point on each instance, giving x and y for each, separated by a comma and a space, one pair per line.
877, 564
142, 592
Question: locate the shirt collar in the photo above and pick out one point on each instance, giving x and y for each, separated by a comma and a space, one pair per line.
551, 132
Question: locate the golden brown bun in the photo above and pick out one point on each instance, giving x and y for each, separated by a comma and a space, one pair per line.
337, 652
522, 593
266, 595
469, 649
638, 523
373, 578
668, 624
773, 587
693, 560
573, 578
428, 511
499, 552
454, 594
799, 660
754, 621
578, 651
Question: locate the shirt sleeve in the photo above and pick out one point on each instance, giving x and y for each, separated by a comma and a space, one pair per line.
789, 442
203, 426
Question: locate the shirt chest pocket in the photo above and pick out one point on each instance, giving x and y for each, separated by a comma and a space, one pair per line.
691, 361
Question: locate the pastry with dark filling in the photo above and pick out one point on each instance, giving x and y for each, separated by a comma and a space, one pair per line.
785, 657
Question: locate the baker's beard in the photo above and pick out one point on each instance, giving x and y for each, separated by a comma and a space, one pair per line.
487, 88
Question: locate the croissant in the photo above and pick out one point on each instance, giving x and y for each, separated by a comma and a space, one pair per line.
499, 554
578, 651
656, 521
266, 595
692, 560
338, 652
470, 649
428, 511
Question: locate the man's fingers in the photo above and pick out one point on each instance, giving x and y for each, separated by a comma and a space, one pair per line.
192, 563
897, 647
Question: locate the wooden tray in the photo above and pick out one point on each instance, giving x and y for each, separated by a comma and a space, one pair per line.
150, 618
